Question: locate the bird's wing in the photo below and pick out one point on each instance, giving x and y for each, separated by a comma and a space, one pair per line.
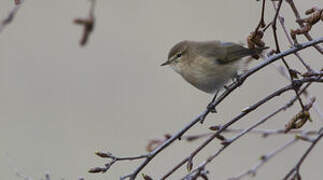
226, 52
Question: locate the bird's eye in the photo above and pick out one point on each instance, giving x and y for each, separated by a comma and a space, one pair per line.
179, 55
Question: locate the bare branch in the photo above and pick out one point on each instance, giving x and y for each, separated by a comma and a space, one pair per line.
237, 118
295, 170
113, 159
87, 23
282, 23
278, 50
228, 91
263, 160
300, 23
11, 15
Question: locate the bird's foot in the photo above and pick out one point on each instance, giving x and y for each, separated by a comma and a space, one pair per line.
211, 108
237, 79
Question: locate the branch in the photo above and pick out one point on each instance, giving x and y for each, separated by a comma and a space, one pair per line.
263, 132
237, 118
228, 91
295, 170
87, 23
300, 23
241, 133
278, 50
263, 160
113, 159
266, 62
282, 23
261, 23
217, 101
11, 15
254, 40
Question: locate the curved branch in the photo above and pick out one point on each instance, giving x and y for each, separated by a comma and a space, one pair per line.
295, 170
228, 91
237, 118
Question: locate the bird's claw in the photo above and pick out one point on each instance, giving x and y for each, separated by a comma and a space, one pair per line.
211, 108
238, 79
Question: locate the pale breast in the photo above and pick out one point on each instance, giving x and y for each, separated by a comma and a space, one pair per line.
205, 75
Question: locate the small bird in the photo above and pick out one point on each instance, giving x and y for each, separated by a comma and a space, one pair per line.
209, 65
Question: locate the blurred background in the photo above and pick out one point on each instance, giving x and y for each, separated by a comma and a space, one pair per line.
60, 103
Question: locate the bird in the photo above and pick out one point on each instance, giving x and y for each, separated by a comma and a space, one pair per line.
209, 65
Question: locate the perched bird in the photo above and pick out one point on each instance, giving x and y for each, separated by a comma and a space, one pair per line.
208, 65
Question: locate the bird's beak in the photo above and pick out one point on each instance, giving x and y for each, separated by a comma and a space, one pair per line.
165, 63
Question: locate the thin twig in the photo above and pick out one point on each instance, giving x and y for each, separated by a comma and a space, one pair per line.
295, 170
250, 129
241, 133
237, 118
316, 107
261, 21
297, 15
278, 50
228, 91
10, 16
87, 23
113, 159
282, 23
264, 159
263, 132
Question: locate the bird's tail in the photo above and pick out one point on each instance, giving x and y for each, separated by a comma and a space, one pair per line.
258, 52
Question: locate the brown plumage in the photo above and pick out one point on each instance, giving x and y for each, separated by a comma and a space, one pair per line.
208, 65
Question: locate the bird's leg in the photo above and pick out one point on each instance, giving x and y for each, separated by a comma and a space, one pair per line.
237, 79
211, 106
